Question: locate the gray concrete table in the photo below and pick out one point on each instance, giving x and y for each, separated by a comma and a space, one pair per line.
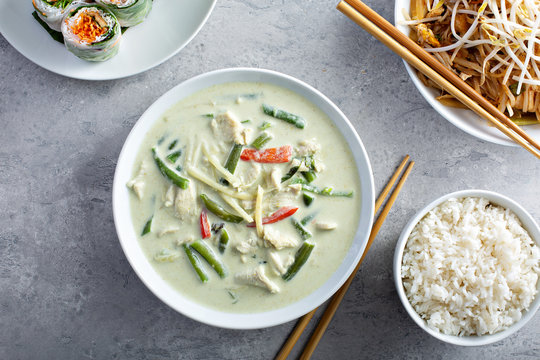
68, 292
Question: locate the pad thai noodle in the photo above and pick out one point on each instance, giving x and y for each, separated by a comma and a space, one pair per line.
493, 45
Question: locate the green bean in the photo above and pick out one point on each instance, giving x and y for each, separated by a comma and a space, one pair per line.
147, 227
326, 191
223, 240
304, 233
196, 263
300, 259
261, 140
309, 175
176, 179
219, 211
172, 157
265, 125
295, 120
234, 156
290, 173
173, 144
308, 218
210, 256
308, 199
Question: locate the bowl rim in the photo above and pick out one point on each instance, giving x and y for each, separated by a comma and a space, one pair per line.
453, 115
186, 306
527, 222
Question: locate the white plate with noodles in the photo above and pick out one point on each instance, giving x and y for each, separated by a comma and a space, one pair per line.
169, 26
465, 119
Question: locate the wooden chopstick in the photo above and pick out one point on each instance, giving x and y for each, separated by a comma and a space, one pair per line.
304, 321
428, 71
336, 299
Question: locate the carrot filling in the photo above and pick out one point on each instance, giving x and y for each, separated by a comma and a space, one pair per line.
88, 28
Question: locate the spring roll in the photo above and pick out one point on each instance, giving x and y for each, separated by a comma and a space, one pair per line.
128, 12
91, 32
52, 12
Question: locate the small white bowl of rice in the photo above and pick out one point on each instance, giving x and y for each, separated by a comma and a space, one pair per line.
467, 266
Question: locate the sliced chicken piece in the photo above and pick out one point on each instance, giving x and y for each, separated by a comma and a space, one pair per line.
166, 255
186, 240
295, 189
308, 147
279, 264
227, 126
325, 225
286, 197
256, 277
168, 230
279, 240
318, 165
247, 246
249, 175
185, 203
168, 200
426, 36
137, 184
274, 178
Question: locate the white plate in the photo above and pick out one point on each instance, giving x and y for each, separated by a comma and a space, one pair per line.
168, 28
464, 119
128, 237
528, 223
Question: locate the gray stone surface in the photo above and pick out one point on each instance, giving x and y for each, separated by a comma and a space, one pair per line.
68, 292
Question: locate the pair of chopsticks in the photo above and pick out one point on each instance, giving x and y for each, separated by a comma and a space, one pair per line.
420, 59
338, 296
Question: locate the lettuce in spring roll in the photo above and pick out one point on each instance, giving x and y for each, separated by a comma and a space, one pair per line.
128, 12
91, 32
52, 12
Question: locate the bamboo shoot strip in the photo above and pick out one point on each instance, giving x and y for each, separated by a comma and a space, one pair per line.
219, 211
148, 226
196, 263
232, 203
304, 233
261, 140
295, 120
223, 240
210, 256
326, 191
176, 179
222, 189
301, 257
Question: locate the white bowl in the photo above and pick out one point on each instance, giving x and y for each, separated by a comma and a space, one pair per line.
464, 119
528, 223
128, 237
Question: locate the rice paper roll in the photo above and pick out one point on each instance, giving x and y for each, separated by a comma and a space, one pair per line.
91, 32
52, 12
128, 12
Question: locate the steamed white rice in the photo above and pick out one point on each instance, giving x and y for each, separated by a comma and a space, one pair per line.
470, 268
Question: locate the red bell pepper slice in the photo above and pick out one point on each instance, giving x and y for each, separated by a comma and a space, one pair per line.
280, 214
281, 154
205, 225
